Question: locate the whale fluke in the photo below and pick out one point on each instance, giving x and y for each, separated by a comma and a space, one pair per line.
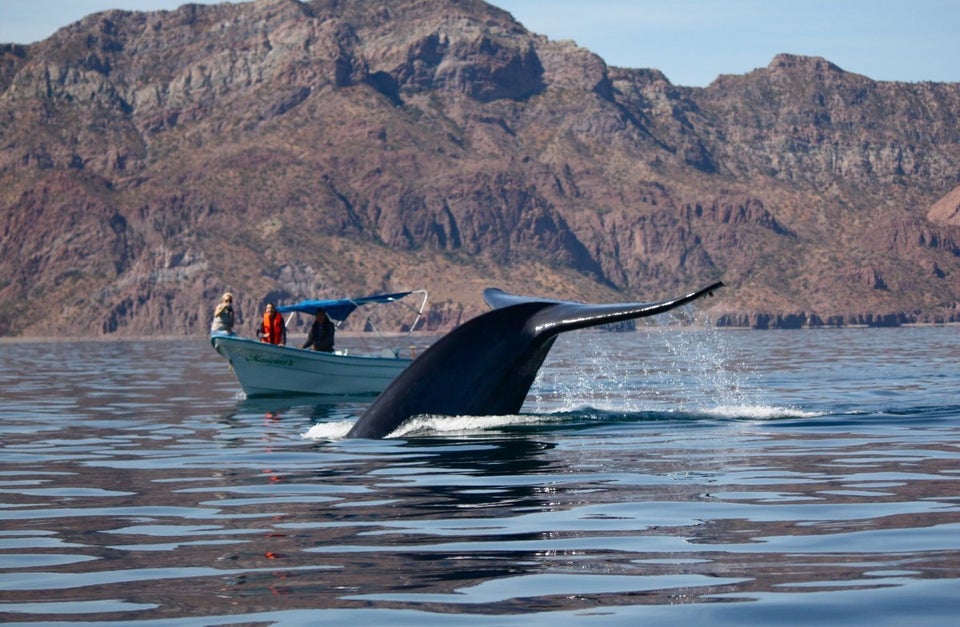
485, 366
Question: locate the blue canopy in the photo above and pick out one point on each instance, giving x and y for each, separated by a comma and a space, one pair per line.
339, 309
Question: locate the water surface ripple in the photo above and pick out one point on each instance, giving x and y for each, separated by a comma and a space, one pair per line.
667, 476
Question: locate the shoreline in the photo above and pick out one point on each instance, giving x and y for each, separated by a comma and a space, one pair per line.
428, 335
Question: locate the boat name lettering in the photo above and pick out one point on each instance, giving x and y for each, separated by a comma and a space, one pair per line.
273, 361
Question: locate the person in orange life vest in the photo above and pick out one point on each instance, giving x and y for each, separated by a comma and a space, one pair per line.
272, 328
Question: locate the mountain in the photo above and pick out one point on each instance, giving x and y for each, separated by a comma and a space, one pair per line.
282, 149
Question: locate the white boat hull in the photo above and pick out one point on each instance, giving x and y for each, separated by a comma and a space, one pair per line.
267, 370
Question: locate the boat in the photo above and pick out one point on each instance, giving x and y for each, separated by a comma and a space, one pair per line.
269, 370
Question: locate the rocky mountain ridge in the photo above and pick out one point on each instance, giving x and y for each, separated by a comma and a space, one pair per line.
284, 149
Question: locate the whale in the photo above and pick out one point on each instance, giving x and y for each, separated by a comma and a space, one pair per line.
486, 365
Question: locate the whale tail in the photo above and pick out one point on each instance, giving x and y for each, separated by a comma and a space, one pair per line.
571, 315
487, 365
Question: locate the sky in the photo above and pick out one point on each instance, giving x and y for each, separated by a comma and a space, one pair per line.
691, 41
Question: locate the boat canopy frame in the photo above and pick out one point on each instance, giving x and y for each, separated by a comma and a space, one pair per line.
339, 309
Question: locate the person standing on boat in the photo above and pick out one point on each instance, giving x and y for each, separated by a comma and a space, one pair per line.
321, 333
223, 316
273, 328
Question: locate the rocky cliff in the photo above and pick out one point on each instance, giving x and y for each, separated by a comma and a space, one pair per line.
284, 149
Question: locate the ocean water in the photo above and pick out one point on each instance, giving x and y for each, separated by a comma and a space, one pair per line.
663, 477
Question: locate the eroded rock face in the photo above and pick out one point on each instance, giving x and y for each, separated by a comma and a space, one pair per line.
946, 211
285, 149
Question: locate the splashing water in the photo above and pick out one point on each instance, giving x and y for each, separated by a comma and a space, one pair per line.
660, 368
335, 430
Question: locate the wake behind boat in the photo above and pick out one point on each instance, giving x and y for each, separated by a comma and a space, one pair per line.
265, 369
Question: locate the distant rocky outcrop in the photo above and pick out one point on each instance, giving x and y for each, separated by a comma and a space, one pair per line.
284, 149
946, 211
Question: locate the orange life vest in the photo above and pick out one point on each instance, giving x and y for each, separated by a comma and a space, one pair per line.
272, 330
